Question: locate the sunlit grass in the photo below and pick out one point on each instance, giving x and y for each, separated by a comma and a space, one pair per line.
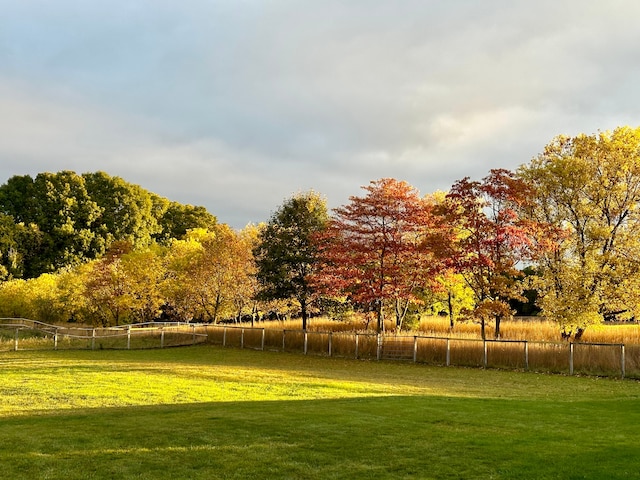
210, 412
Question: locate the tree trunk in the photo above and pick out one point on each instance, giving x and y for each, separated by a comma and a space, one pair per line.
482, 329
497, 331
380, 316
450, 305
303, 311
216, 308
254, 312
401, 313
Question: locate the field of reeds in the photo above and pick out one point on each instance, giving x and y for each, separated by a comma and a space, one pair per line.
533, 329
525, 344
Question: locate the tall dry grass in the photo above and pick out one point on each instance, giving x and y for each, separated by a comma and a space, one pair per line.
527, 345
529, 328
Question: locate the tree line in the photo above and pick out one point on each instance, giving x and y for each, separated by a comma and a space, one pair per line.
559, 231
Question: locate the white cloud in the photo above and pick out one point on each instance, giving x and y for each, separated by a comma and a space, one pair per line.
236, 105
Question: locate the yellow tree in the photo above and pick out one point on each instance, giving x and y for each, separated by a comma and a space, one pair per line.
589, 187
218, 270
123, 287
178, 287
209, 274
450, 293
245, 289
14, 299
143, 271
105, 291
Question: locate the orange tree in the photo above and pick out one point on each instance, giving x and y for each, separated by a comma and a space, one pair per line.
489, 240
376, 249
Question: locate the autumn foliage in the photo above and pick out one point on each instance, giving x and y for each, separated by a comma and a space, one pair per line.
376, 251
115, 253
489, 239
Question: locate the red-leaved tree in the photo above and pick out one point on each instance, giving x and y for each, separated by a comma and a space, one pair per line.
489, 240
376, 249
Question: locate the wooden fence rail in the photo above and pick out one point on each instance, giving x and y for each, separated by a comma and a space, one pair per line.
572, 358
30, 334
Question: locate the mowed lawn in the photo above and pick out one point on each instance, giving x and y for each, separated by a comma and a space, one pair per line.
208, 412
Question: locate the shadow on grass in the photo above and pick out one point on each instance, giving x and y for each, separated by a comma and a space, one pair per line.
384, 437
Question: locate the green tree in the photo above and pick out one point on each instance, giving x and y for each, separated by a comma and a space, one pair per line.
59, 205
11, 258
126, 211
589, 187
178, 219
62, 219
286, 253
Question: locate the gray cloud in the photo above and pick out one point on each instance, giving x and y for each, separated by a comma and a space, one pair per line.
236, 105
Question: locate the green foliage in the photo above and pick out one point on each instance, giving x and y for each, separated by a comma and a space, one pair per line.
178, 219
58, 220
286, 253
62, 211
126, 211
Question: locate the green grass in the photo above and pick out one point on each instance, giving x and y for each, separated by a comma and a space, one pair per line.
208, 412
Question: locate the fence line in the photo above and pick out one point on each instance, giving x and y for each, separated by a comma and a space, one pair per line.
572, 357
145, 335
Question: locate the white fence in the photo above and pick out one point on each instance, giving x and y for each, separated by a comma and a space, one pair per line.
25, 334
567, 357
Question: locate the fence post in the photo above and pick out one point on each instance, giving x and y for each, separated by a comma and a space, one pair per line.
55, 340
262, 343
129, 337
305, 342
93, 339
379, 349
330, 336
356, 345
15, 341
570, 358
526, 355
448, 352
242, 337
194, 333
415, 348
283, 332
484, 342
224, 336
622, 359
161, 337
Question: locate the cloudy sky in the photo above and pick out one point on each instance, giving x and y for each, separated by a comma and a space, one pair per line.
238, 104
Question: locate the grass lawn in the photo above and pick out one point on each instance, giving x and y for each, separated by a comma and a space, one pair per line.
208, 412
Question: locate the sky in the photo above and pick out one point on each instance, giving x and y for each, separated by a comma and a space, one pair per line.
237, 105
